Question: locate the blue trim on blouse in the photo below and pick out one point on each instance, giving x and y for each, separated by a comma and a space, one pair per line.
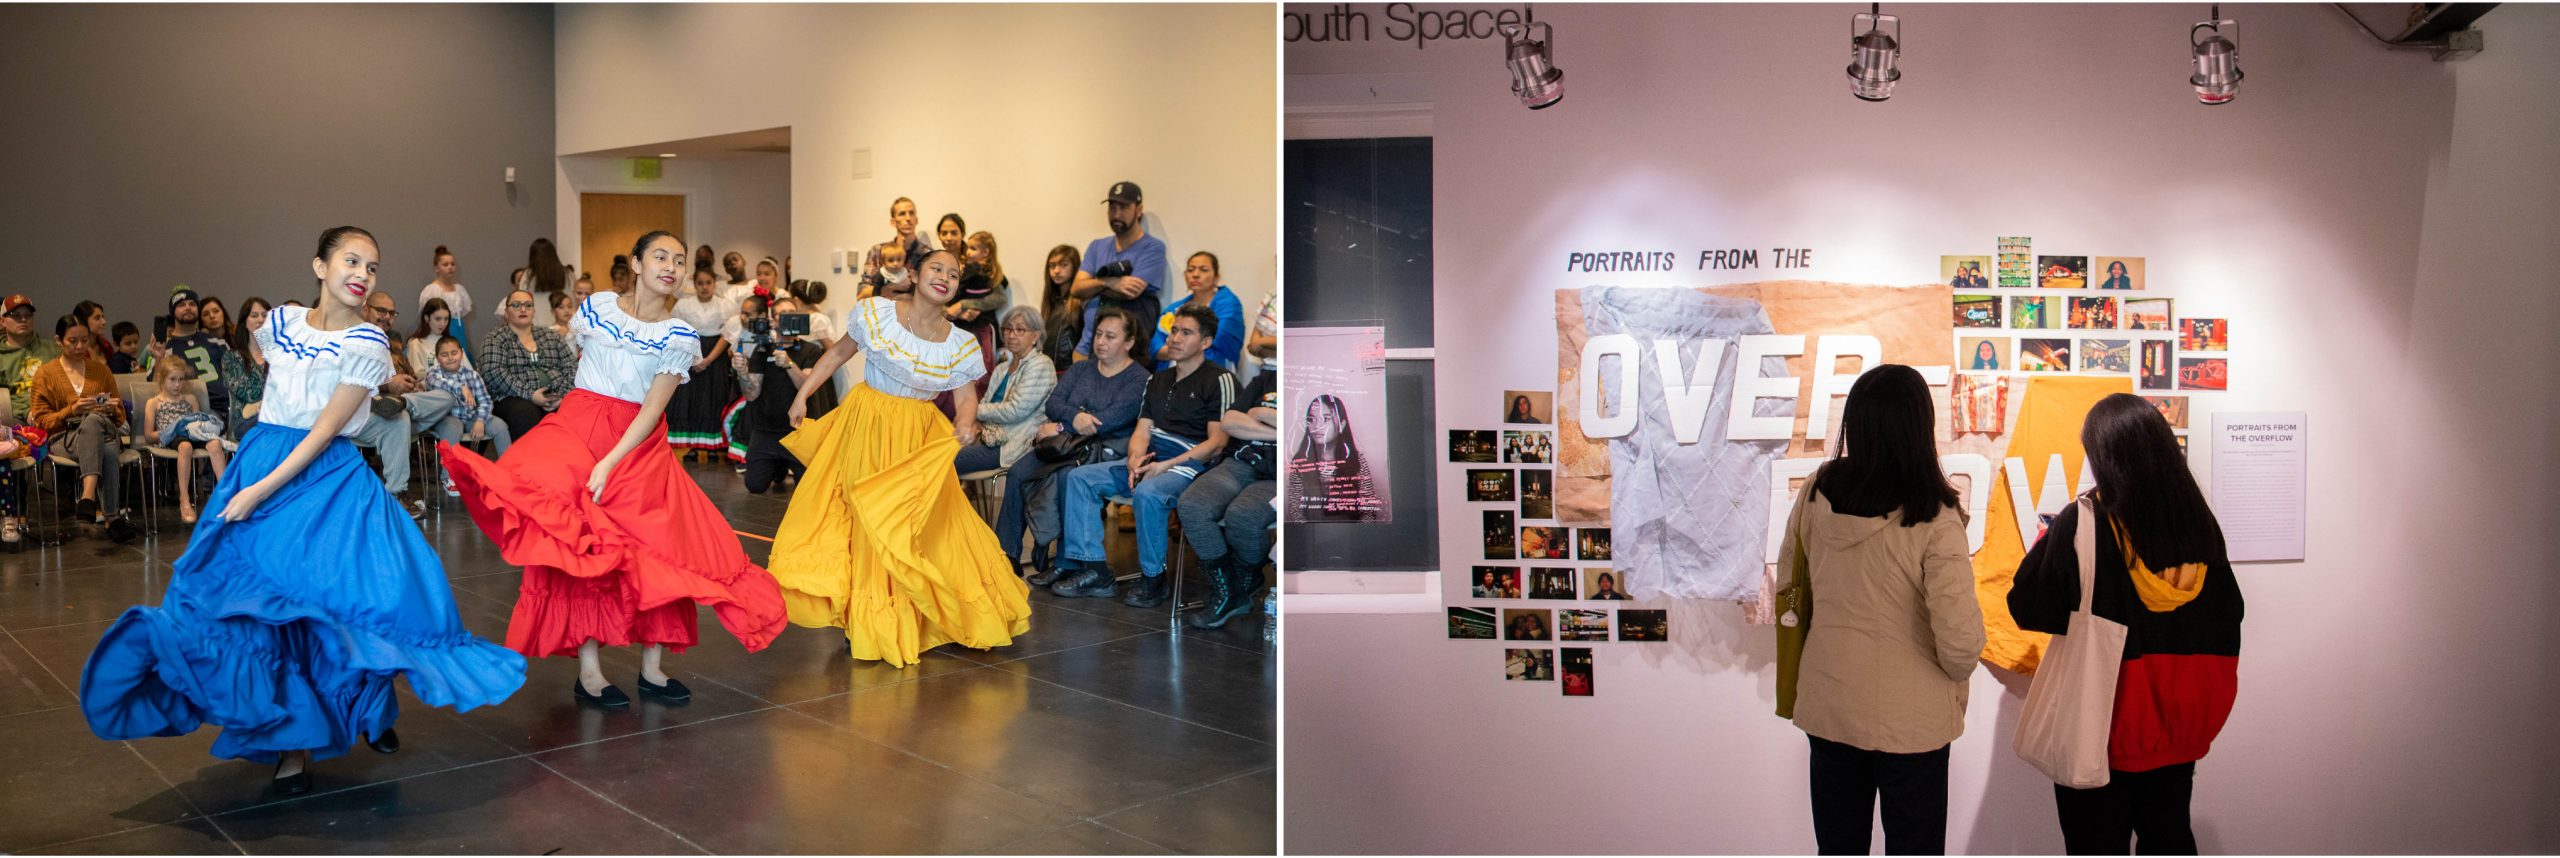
599, 322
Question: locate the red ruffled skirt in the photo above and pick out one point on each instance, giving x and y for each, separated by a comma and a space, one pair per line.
627, 570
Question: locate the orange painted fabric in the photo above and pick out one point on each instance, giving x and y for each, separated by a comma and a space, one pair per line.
2048, 423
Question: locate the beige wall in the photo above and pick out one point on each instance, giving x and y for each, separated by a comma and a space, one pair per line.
1017, 117
739, 202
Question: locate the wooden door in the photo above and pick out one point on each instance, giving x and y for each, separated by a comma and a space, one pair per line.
609, 223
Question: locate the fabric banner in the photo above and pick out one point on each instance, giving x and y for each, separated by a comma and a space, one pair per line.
1334, 419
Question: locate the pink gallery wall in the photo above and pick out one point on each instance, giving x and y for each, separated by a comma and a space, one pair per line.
2376, 225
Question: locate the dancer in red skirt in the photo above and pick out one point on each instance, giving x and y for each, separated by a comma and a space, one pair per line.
616, 541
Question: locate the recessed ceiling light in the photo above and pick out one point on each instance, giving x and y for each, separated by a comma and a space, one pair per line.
666, 154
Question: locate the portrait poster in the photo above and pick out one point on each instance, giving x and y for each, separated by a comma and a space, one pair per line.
1333, 424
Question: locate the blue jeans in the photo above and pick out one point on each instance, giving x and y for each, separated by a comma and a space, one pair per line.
1033, 502
1089, 485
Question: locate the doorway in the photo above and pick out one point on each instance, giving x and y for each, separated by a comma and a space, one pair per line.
608, 224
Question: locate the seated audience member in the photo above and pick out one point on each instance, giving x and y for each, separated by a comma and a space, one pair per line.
1200, 275
76, 403
188, 340
770, 368
1011, 413
22, 350
400, 406
174, 419
1264, 345
1179, 434
1227, 512
127, 357
244, 368
469, 420
528, 367
1095, 404
435, 322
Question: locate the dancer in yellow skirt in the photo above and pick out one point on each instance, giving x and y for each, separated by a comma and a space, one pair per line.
878, 539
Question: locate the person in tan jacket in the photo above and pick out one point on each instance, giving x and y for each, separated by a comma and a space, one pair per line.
75, 399
1895, 629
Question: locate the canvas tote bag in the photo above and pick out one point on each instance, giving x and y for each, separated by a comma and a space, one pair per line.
1794, 611
2071, 702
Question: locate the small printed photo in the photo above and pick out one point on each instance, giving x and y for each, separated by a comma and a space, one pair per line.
1472, 445
1525, 624
2106, 355
2172, 409
1528, 406
1642, 625
2204, 373
1604, 585
1594, 542
2093, 314
2119, 272
2204, 335
1488, 485
1547, 583
1978, 403
1545, 543
1965, 272
1471, 624
1577, 671
1528, 665
2017, 267
1977, 311
2182, 445
1497, 535
2033, 311
1982, 354
1494, 582
2062, 272
2147, 314
1528, 446
2158, 370
1582, 625
2044, 355
1537, 494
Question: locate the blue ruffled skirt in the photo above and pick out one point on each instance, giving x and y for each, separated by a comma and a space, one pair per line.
286, 629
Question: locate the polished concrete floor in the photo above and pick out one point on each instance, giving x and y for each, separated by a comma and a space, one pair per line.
1097, 733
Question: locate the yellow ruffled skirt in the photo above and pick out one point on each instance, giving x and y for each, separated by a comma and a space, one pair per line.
879, 540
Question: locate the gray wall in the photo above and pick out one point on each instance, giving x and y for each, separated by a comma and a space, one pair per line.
147, 146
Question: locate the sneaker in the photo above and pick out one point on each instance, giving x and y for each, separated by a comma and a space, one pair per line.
11, 531
417, 509
449, 490
1094, 581
1149, 593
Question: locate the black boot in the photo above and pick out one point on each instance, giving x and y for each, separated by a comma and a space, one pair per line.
1238, 579
1052, 569
1221, 590
1090, 581
1150, 592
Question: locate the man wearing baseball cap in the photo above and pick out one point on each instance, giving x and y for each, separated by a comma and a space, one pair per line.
200, 349
21, 349
1124, 269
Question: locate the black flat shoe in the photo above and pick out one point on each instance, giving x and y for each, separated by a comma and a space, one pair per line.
387, 743
293, 784
612, 698
87, 509
672, 692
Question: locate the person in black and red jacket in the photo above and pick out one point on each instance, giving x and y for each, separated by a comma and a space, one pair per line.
2161, 571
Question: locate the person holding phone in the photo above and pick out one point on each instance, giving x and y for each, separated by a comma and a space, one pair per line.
75, 402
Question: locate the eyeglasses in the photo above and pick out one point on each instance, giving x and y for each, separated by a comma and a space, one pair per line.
519, 305
1020, 329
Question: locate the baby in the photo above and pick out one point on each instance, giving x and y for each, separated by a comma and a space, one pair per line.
469, 421
893, 272
176, 419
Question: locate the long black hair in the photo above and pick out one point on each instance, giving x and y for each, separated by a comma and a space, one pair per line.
1889, 450
543, 259
2143, 483
1344, 451
242, 341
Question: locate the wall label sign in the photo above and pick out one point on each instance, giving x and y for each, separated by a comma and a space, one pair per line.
1402, 22
1725, 259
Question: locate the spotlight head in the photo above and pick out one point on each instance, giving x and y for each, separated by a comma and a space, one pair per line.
1873, 54
1534, 76
2217, 61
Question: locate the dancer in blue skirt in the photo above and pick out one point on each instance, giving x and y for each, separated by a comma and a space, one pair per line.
310, 589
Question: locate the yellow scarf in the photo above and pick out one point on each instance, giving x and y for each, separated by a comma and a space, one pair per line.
2162, 591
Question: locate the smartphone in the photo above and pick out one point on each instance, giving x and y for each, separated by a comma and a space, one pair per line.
792, 325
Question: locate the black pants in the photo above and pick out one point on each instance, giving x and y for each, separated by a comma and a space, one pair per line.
1846, 781
519, 413
2146, 811
768, 461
